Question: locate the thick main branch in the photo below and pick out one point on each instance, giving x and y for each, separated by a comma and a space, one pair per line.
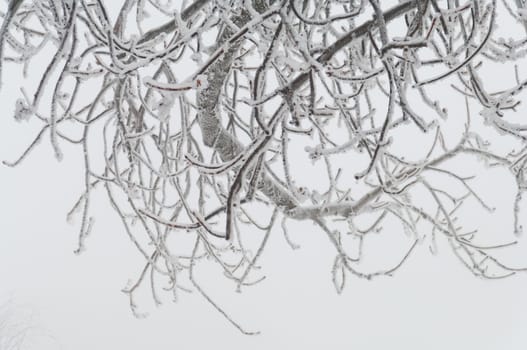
227, 146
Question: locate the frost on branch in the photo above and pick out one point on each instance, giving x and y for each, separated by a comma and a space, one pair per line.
210, 117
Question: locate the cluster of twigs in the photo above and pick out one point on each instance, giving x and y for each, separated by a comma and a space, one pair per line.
192, 127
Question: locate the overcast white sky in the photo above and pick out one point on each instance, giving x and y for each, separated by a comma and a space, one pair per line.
431, 303
75, 303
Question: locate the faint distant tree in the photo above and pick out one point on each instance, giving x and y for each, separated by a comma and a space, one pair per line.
196, 117
13, 332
